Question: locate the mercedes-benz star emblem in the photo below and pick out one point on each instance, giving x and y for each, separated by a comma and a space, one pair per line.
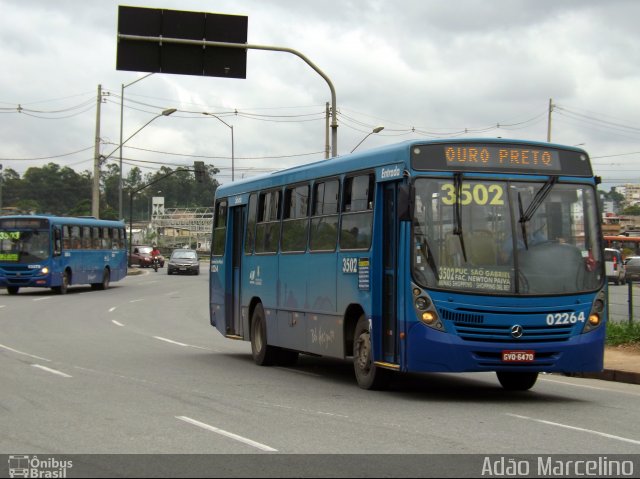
516, 331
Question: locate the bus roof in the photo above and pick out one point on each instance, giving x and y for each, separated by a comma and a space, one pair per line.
69, 220
368, 159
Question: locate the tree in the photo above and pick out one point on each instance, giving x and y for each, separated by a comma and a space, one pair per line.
632, 210
612, 195
62, 191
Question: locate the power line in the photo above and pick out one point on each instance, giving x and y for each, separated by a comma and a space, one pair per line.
47, 157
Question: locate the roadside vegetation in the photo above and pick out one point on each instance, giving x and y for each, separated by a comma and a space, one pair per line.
623, 333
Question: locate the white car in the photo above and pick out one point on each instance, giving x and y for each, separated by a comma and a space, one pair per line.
614, 265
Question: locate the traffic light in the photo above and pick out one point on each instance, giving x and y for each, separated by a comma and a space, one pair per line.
199, 170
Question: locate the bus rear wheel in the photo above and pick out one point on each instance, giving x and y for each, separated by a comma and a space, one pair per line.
368, 375
106, 279
517, 381
263, 354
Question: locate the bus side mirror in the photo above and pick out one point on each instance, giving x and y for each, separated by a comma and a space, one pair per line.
405, 202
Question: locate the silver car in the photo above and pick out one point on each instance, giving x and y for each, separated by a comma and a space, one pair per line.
184, 261
632, 268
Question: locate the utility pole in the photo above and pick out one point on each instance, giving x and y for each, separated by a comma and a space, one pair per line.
95, 196
551, 105
326, 135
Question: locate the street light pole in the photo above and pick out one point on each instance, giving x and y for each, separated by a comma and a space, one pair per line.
232, 147
121, 142
167, 112
244, 46
377, 129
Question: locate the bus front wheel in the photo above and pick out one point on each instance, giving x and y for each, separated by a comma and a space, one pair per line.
13, 289
517, 381
368, 375
64, 285
263, 354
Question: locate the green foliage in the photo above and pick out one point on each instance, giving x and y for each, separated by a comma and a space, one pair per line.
622, 333
61, 191
631, 211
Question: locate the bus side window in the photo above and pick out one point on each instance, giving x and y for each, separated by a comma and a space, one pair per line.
66, 237
57, 241
113, 238
86, 237
295, 222
219, 228
323, 235
95, 238
123, 238
268, 222
357, 212
76, 238
250, 239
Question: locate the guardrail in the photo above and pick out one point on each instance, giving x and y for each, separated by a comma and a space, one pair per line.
624, 302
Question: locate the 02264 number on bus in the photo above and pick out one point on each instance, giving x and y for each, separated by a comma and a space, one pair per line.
565, 318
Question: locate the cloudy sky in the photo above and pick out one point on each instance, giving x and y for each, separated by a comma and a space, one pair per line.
420, 68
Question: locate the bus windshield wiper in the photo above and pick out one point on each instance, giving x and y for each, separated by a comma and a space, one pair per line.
538, 199
457, 213
432, 262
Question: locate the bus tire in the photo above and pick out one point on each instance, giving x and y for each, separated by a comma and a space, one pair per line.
263, 354
515, 381
106, 280
368, 375
13, 289
64, 286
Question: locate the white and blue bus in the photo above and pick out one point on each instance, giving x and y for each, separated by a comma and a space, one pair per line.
441, 256
57, 252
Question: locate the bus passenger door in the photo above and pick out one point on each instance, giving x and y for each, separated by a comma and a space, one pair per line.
234, 326
390, 270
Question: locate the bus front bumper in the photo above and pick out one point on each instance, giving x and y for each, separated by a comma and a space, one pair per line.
429, 350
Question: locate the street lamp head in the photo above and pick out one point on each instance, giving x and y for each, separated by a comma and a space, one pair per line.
169, 111
377, 129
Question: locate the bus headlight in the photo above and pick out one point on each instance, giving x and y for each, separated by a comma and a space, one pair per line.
44, 270
422, 303
596, 315
425, 310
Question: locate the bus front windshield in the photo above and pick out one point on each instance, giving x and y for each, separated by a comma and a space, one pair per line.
506, 237
23, 246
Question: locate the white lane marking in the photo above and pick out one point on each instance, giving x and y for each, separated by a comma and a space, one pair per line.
230, 435
24, 354
117, 323
52, 371
585, 386
170, 341
111, 310
312, 411
574, 428
136, 300
3, 305
184, 345
42, 299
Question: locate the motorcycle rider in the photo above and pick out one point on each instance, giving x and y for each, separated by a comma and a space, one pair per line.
155, 253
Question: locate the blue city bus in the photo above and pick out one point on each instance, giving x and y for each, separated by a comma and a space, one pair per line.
57, 252
423, 256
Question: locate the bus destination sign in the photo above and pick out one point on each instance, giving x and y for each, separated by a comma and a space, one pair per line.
505, 158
